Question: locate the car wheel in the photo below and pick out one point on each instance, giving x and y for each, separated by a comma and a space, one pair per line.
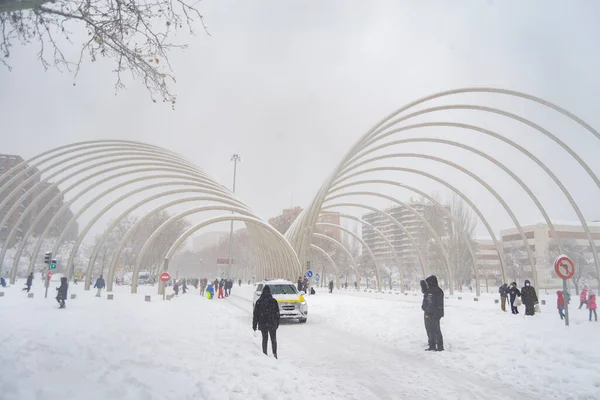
302, 320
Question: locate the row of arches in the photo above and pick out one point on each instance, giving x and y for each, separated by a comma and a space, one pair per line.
382, 139
130, 170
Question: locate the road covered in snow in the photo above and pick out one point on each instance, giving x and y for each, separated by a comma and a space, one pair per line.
354, 346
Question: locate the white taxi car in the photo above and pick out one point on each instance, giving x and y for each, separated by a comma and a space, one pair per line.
291, 303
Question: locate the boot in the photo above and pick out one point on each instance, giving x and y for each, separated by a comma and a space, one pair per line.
439, 349
430, 348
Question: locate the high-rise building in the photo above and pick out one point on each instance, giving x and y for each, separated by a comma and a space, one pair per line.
283, 222
488, 260
7, 162
330, 217
398, 238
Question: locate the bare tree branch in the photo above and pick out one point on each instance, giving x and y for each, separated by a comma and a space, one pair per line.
133, 33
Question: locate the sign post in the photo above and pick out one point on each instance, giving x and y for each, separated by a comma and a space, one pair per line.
565, 269
164, 277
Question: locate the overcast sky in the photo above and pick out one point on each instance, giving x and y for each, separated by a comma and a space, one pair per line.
291, 85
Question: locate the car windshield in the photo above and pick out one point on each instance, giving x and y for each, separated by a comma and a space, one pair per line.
283, 289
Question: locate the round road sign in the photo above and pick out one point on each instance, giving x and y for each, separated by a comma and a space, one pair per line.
164, 277
564, 267
309, 273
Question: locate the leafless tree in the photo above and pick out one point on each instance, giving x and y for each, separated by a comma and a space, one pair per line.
584, 266
135, 35
461, 236
515, 258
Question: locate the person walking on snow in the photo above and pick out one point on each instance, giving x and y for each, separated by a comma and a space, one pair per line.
28, 283
100, 284
176, 288
514, 293
591, 303
266, 318
330, 286
240, 283
426, 306
560, 303
202, 287
61, 296
184, 288
583, 297
529, 298
503, 290
220, 290
435, 312
300, 283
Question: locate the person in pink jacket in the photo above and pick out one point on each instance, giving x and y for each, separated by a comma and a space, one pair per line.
591, 303
583, 297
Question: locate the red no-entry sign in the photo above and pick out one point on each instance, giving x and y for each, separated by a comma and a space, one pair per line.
564, 267
165, 277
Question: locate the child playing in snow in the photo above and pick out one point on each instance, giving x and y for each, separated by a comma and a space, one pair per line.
591, 303
560, 304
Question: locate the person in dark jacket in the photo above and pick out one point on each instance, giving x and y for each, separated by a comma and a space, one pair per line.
2, 282
300, 282
426, 306
503, 290
514, 293
176, 288
529, 298
266, 318
330, 286
435, 312
61, 296
184, 288
28, 283
100, 284
239, 282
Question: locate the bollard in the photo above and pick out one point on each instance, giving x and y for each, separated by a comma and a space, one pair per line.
109, 296
1, 294
73, 296
30, 295
475, 299
498, 301
406, 294
543, 302
147, 298
460, 298
447, 298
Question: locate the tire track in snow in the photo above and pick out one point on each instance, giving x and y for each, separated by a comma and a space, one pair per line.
387, 373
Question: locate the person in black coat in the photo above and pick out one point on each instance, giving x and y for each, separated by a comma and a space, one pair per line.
100, 284
266, 318
28, 283
61, 296
330, 286
426, 307
434, 312
529, 298
300, 282
513, 292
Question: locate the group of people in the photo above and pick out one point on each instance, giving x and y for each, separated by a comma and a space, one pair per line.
587, 298
526, 296
221, 287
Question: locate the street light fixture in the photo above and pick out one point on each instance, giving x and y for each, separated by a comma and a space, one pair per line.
235, 158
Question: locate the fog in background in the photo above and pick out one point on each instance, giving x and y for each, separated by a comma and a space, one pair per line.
291, 86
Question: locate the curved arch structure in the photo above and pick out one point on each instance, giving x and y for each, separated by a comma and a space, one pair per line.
382, 139
131, 169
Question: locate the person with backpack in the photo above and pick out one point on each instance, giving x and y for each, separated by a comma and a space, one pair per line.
591, 304
100, 284
583, 297
529, 298
266, 318
514, 292
61, 296
503, 290
434, 312
560, 303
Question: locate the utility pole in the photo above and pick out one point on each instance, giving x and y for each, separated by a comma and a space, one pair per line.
235, 158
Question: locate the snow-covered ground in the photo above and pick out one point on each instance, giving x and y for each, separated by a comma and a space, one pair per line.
354, 346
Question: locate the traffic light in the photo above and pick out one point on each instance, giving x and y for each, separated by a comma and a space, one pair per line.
48, 257
53, 264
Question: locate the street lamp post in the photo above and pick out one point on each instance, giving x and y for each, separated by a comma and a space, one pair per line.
235, 158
